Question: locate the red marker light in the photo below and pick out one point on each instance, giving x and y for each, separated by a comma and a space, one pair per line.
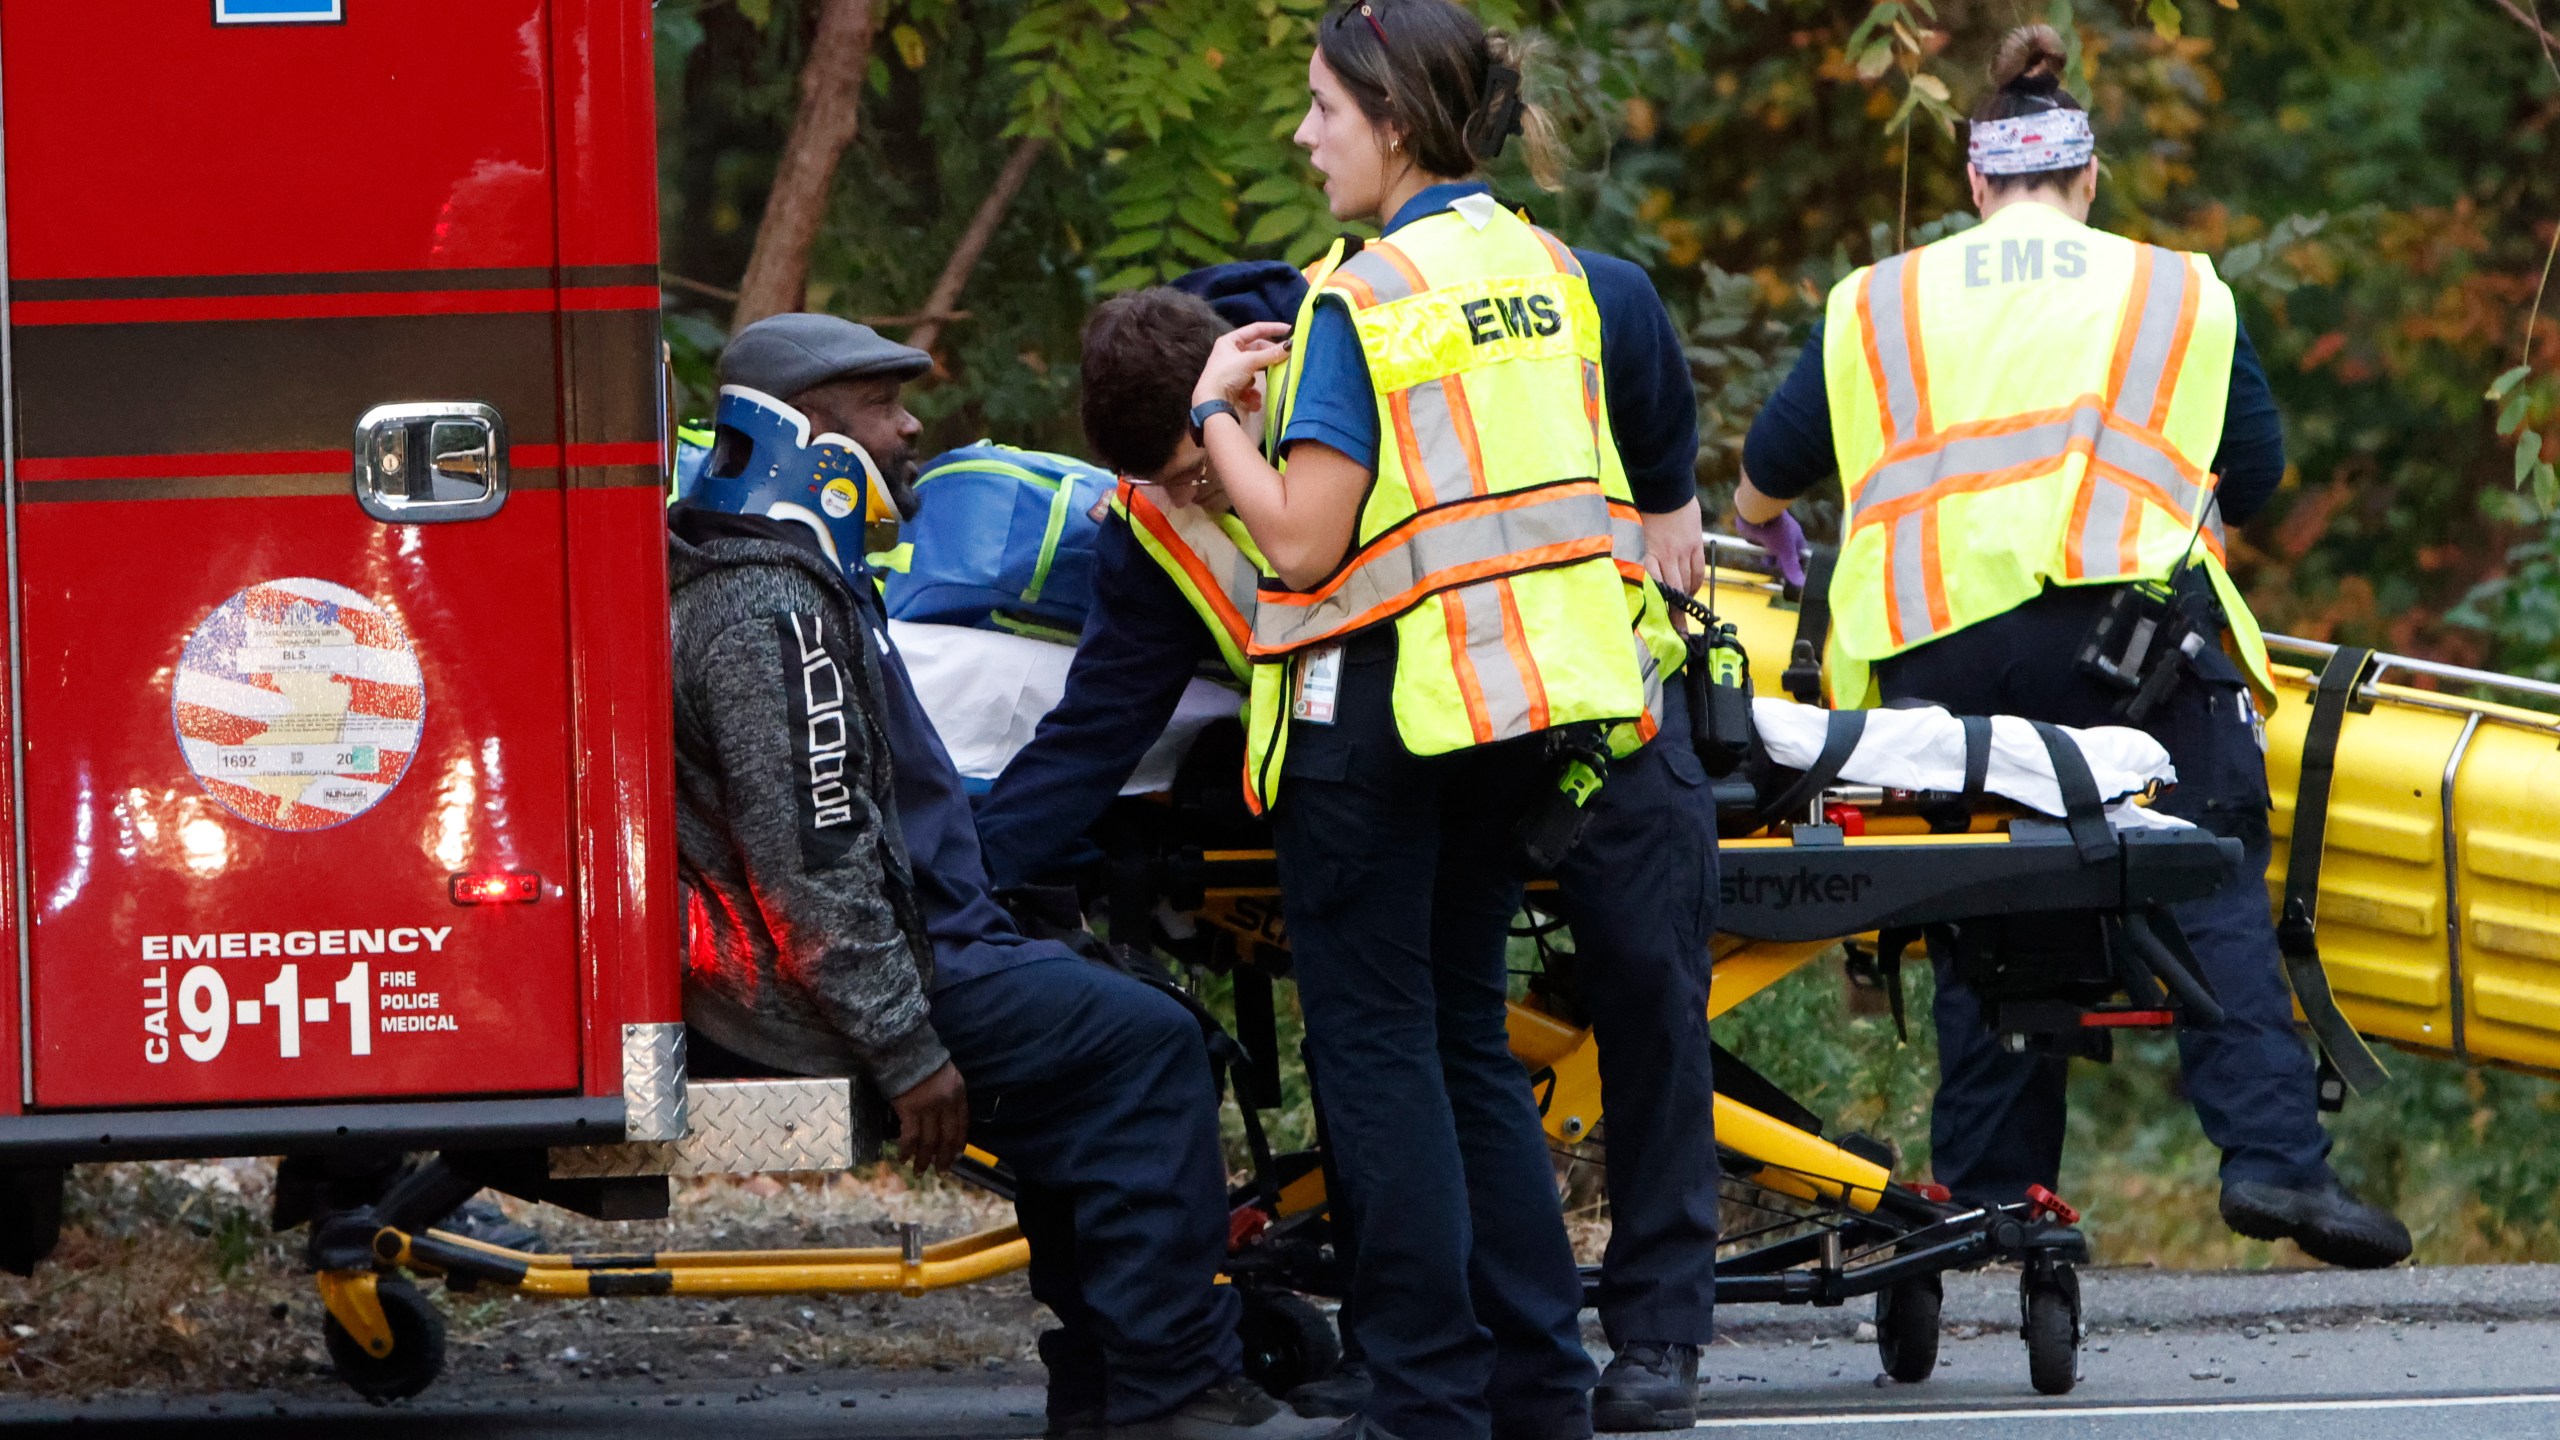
497, 887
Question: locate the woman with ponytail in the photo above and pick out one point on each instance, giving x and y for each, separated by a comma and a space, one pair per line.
1482, 449
2039, 425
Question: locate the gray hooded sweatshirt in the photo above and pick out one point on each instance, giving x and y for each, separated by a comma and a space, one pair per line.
806, 947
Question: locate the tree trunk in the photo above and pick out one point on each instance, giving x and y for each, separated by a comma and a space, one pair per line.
938, 307
831, 82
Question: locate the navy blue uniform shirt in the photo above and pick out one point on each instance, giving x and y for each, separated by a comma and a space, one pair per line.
1788, 451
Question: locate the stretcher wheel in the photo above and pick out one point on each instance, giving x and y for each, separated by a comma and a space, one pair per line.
2051, 1325
1287, 1341
417, 1346
1907, 1327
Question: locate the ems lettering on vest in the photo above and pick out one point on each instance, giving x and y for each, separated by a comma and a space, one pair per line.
1512, 317
2019, 260
820, 735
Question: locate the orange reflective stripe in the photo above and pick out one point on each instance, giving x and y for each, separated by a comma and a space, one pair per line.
2191, 300
1143, 508
1417, 468
2071, 562
1914, 356
1361, 295
1875, 360
1556, 251
1403, 266
1462, 420
1563, 552
2129, 325
1934, 573
1438, 550
1453, 618
1515, 637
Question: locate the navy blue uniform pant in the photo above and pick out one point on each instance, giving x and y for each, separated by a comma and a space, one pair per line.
1998, 1123
1096, 1091
1639, 891
1400, 876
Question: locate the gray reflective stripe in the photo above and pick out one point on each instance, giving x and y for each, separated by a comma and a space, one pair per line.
2156, 334
1975, 455
1591, 400
1893, 346
2094, 548
1446, 477
1419, 557
1626, 538
1236, 575
1384, 280
1497, 675
1910, 579
1557, 248
1982, 454
1650, 668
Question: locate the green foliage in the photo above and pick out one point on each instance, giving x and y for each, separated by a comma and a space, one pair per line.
2375, 177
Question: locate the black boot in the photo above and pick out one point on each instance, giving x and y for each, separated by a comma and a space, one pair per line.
2330, 1224
1648, 1387
1339, 1394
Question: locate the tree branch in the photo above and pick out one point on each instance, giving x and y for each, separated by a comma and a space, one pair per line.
974, 240
2533, 22
830, 114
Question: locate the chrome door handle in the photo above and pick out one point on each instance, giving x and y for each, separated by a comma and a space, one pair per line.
431, 461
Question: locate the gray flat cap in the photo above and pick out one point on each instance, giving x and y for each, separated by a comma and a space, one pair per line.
783, 355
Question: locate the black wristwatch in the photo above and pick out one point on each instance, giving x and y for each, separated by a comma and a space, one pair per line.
1203, 412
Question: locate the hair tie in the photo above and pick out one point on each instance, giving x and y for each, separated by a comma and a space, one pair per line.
1498, 119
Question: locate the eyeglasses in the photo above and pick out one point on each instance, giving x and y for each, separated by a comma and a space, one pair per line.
1196, 475
1361, 8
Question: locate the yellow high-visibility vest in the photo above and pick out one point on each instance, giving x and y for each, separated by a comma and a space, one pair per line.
1209, 558
1498, 535
2029, 402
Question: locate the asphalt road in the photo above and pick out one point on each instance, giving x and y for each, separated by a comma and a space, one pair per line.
2473, 1353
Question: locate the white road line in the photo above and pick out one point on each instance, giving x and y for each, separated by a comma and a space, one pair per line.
2228, 1407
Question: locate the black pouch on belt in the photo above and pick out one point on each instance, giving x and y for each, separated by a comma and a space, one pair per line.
1718, 677
1576, 764
2144, 643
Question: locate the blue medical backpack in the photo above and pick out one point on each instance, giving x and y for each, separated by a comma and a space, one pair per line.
1002, 539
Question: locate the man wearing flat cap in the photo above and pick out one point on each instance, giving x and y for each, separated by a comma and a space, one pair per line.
838, 913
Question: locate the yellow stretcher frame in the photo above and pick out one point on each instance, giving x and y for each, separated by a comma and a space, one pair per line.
1792, 1163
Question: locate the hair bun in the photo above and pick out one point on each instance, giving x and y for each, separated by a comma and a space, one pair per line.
2031, 61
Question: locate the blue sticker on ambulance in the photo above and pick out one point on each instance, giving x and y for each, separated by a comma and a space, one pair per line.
278, 12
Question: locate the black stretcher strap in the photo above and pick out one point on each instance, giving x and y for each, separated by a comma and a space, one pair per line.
2297, 934
2084, 811
1803, 677
1839, 741
1977, 758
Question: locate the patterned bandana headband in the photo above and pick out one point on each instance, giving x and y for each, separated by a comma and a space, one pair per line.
2028, 144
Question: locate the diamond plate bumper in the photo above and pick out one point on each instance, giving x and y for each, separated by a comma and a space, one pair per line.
653, 1089
738, 1127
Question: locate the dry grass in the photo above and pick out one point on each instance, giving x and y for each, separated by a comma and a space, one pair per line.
169, 1282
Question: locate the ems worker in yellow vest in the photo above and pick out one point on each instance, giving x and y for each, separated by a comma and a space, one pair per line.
1458, 619
2028, 417
1175, 582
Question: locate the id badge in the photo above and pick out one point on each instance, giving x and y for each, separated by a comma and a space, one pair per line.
1319, 679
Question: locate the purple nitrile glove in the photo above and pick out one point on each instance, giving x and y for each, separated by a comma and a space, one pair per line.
1783, 538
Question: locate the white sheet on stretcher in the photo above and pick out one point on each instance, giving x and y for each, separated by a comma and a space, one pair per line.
1923, 749
985, 692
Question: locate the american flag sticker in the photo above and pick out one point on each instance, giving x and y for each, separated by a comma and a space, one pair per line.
298, 704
